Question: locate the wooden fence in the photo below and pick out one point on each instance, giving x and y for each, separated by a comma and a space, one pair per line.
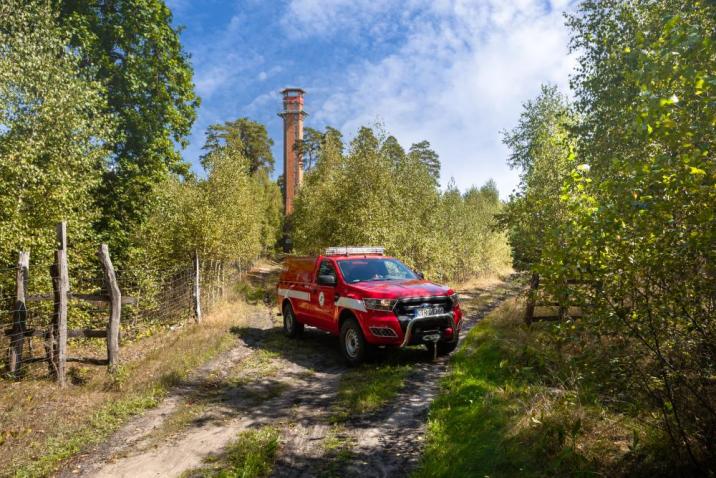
181, 294
559, 309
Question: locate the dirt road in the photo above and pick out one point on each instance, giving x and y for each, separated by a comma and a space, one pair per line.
292, 386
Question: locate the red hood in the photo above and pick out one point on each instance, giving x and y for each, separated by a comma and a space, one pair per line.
394, 289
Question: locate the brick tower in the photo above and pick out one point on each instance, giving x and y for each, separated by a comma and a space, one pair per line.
292, 115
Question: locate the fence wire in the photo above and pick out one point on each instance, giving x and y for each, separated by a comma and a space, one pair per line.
151, 298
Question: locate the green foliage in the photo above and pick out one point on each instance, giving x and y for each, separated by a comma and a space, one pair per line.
424, 154
246, 136
310, 146
635, 214
377, 194
54, 127
230, 216
541, 148
134, 51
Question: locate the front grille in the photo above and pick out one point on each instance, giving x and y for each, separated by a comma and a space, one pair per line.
408, 305
405, 308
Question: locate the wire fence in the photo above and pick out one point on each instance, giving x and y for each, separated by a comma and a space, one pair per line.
150, 299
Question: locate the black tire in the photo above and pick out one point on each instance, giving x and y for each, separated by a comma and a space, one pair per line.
353, 345
291, 327
444, 348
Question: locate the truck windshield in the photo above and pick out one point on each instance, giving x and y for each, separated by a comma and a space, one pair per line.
374, 269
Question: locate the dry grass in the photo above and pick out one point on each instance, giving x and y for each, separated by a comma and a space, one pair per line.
43, 424
487, 281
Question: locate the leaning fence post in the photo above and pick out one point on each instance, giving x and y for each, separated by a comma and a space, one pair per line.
197, 289
115, 307
58, 329
19, 325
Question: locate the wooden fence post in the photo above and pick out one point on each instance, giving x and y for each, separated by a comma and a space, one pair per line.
197, 288
211, 296
19, 324
58, 330
61, 233
115, 307
530, 312
221, 281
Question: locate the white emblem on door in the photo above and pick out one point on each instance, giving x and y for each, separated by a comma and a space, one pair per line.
321, 298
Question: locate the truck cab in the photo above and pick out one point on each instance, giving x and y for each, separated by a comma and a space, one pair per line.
367, 299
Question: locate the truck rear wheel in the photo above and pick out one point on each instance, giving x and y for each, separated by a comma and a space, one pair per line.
353, 344
291, 327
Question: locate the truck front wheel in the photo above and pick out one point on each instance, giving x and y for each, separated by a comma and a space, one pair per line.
353, 345
291, 328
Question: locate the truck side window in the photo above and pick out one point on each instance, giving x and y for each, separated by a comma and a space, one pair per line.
326, 269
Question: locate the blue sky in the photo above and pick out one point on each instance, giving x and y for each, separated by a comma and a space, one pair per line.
454, 72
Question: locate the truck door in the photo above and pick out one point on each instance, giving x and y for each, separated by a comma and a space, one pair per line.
324, 298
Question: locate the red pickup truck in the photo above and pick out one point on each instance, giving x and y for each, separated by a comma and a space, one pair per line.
367, 299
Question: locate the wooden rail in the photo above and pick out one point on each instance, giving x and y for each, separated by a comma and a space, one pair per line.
56, 335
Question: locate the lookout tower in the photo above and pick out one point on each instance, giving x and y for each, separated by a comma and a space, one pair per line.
292, 115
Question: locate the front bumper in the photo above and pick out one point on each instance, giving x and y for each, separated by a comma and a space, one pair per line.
417, 329
404, 330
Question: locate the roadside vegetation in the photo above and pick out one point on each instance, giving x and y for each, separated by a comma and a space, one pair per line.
44, 425
251, 455
375, 192
615, 217
516, 403
368, 388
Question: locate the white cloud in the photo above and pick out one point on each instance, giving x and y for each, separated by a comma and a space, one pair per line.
458, 79
305, 18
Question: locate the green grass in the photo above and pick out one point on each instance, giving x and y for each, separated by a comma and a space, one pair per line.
498, 416
251, 455
102, 423
135, 388
368, 388
339, 449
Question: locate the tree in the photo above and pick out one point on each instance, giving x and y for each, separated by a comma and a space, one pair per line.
392, 150
310, 147
541, 148
644, 205
376, 194
225, 216
423, 153
131, 47
245, 135
54, 131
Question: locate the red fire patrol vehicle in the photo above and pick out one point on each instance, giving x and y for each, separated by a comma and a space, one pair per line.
367, 299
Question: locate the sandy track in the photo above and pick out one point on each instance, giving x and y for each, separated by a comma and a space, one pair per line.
293, 390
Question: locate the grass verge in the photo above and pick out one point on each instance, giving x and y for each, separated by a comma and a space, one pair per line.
251, 455
44, 425
501, 411
368, 388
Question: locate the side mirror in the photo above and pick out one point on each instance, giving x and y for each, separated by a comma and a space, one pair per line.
420, 275
327, 279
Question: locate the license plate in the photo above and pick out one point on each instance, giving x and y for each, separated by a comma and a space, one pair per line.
428, 312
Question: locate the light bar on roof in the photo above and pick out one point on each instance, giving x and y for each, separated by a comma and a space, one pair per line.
346, 251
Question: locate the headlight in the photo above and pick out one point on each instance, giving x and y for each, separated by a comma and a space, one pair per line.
455, 299
379, 304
